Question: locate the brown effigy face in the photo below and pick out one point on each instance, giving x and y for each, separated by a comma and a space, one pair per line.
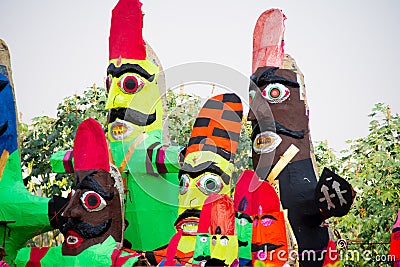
93, 213
279, 118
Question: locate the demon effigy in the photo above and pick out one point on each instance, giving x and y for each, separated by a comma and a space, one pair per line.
279, 116
137, 200
93, 232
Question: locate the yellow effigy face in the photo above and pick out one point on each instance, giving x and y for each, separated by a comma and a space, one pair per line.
202, 174
134, 100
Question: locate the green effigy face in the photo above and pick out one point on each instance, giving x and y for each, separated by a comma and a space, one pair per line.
202, 248
244, 230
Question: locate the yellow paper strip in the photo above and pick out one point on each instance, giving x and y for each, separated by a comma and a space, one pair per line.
3, 162
280, 165
131, 149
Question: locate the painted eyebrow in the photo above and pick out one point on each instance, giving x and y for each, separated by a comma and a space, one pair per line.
135, 68
268, 76
89, 183
198, 170
245, 216
224, 237
269, 217
203, 235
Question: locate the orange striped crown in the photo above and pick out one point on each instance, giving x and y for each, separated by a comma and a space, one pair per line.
217, 127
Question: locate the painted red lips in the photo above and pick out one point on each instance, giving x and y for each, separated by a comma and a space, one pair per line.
73, 239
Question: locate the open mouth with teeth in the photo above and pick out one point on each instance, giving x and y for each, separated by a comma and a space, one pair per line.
188, 226
120, 129
73, 239
266, 142
188, 222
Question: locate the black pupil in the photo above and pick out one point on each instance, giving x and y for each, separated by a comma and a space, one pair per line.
92, 201
130, 84
210, 184
181, 183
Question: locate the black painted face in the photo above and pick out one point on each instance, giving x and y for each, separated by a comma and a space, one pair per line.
94, 212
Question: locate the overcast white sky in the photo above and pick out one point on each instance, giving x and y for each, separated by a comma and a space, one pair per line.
347, 50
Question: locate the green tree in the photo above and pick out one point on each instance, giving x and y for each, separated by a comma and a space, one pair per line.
182, 110
372, 165
45, 136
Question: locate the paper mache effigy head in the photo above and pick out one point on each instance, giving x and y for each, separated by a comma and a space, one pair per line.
208, 161
269, 243
281, 137
134, 99
95, 210
216, 240
279, 117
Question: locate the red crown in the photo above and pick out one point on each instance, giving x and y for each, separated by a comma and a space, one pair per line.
126, 40
90, 147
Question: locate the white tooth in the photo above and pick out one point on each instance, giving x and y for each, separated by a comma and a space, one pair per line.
129, 129
267, 149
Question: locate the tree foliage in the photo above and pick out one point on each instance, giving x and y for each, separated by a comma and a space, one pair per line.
372, 165
45, 136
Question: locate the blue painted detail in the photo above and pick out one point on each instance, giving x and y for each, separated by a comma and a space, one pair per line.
8, 118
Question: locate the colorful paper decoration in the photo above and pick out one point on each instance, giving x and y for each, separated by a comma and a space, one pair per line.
135, 107
269, 231
207, 168
93, 232
247, 183
332, 257
22, 215
333, 194
95, 210
216, 239
278, 106
208, 162
268, 42
101, 254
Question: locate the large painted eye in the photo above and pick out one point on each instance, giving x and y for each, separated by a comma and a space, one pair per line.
204, 239
275, 93
209, 183
224, 241
92, 201
184, 183
130, 84
243, 221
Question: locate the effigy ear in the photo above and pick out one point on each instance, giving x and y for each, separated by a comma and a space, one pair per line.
333, 195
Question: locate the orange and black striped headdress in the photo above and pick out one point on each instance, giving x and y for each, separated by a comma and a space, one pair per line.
217, 127
215, 137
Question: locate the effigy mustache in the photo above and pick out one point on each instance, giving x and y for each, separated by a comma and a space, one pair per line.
264, 247
275, 126
202, 258
133, 116
86, 230
243, 243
